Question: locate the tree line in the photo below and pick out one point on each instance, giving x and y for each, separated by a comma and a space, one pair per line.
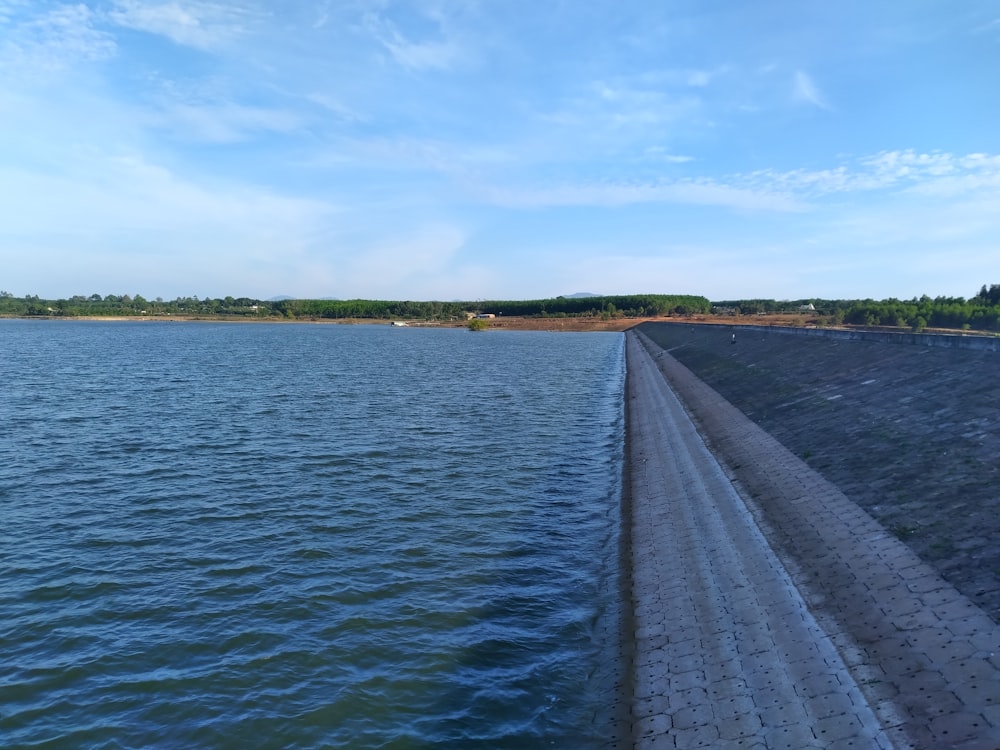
112, 305
980, 312
115, 305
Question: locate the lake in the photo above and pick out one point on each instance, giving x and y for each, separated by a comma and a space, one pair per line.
307, 535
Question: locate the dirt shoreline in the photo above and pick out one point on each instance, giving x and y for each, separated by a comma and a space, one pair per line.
517, 323
508, 323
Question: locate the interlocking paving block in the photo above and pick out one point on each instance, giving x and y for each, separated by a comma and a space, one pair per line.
691, 697
832, 704
793, 736
740, 731
957, 727
744, 635
838, 727
772, 611
736, 708
654, 705
694, 716
975, 744
657, 725
725, 669
703, 736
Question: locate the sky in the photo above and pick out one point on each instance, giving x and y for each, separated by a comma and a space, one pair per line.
499, 149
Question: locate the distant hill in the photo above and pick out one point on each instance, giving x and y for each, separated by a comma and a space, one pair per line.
581, 295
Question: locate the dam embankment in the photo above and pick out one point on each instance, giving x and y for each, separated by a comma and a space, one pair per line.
769, 608
906, 426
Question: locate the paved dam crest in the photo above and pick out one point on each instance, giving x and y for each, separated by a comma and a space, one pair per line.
772, 611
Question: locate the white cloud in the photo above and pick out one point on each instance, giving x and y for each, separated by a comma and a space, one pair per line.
322, 16
205, 111
128, 211
685, 192
226, 122
989, 27
336, 106
935, 173
658, 153
804, 90
8, 8
610, 111
105, 131
439, 54
699, 78
191, 23
456, 160
54, 41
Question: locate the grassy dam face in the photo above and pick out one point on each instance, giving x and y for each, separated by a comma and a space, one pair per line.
909, 432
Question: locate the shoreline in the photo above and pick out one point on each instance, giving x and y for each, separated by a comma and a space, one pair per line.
799, 323
569, 324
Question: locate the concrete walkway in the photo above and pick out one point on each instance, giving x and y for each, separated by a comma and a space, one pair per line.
769, 610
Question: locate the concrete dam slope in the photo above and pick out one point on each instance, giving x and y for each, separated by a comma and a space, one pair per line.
911, 433
769, 610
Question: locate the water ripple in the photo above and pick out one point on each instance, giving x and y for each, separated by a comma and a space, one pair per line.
306, 536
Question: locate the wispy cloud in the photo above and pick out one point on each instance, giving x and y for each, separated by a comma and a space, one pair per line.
8, 8
805, 90
226, 122
192, 23
428, 54
609, 195
322, 15
121, 190
927, 173
208, 110
613, 110
54, 41
990, 27
659, 153
142, 221
699, 78
336, 106
450, 130
794, 191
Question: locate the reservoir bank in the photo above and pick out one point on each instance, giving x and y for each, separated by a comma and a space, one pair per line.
770, 608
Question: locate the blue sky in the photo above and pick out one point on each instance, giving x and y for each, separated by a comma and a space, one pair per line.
499, 149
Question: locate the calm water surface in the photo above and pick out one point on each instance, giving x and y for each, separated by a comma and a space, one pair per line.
306, 535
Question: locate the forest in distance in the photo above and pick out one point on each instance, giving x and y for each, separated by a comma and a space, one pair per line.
632, 306
981, 312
